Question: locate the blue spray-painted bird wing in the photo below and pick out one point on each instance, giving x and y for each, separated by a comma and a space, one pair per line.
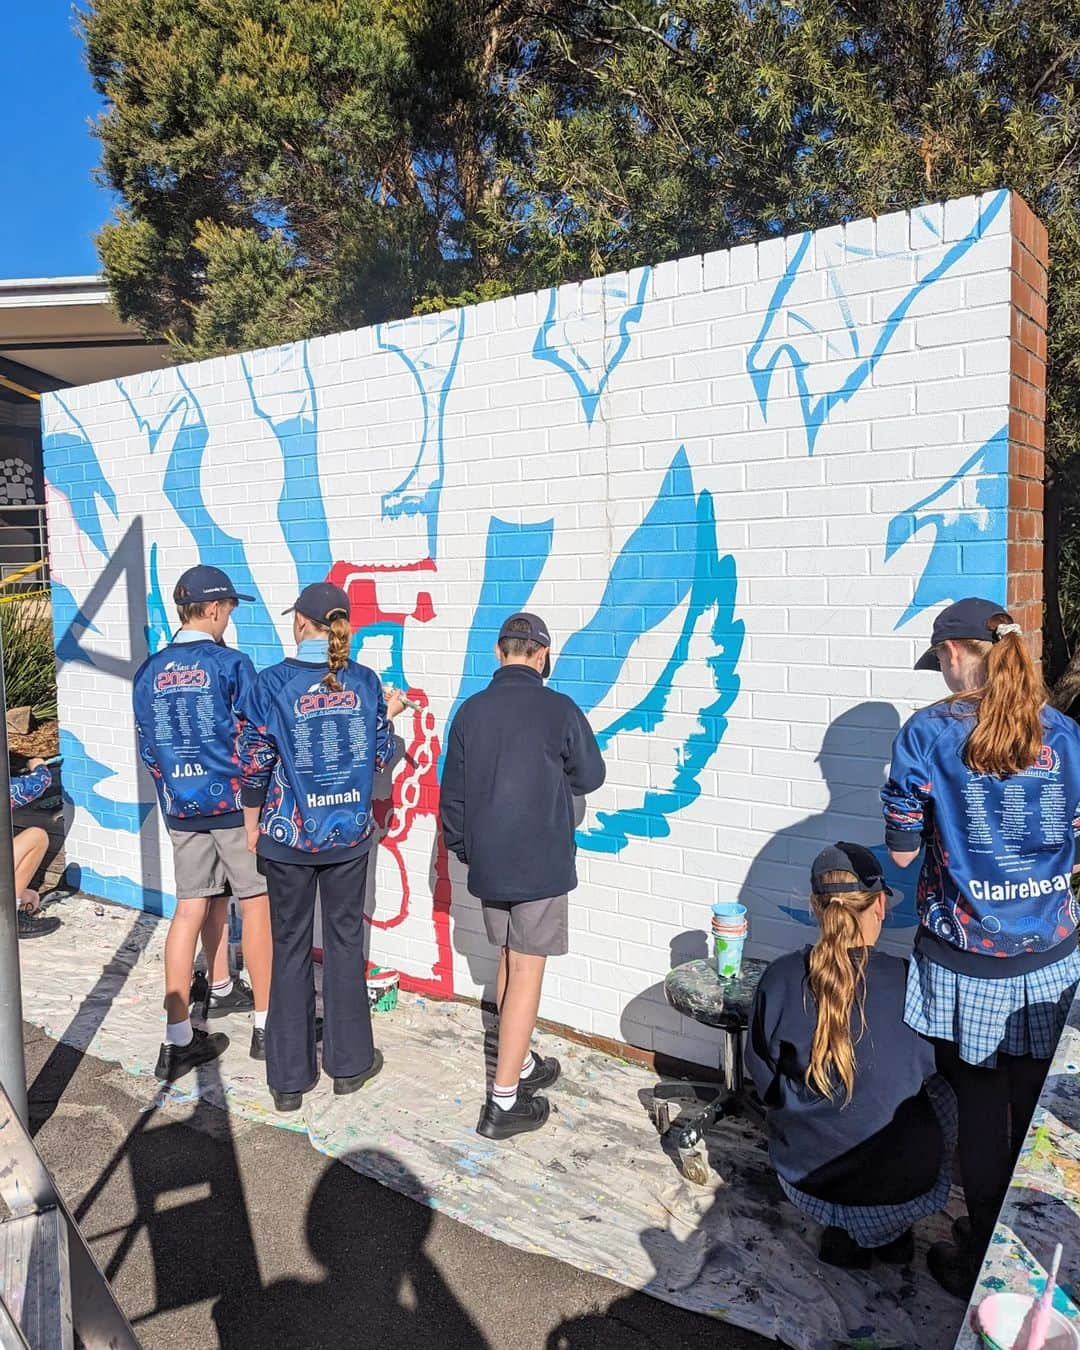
968, 517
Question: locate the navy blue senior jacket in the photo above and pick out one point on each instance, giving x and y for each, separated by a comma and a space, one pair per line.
517, 755
309, 760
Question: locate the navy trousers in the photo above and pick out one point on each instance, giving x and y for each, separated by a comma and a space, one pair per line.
348, 1048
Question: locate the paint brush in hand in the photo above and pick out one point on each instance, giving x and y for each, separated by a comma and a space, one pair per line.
389, 693
1040, 1319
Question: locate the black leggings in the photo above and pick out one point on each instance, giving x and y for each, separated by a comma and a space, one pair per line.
996, 1106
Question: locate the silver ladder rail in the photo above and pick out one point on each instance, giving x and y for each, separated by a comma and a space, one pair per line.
49, 1259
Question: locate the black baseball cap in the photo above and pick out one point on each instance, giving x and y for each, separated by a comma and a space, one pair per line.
528, 628
847, 858
201, 583
966, 620
321, 602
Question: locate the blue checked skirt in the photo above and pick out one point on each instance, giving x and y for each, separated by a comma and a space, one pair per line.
1020, 1015
877, 1225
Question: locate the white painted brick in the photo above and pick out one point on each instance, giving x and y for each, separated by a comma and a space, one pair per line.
824, 673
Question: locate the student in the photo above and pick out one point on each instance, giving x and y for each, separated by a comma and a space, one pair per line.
861, 1131
517, 755
189, 703
987, 785
31, 845
319, 732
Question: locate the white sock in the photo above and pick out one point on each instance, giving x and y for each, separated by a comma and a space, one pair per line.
179, 1033
221, 990
529, 1065
504, 1097
260, 1021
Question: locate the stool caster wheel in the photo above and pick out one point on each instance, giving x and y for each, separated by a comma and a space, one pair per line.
661, 1116
694, 1163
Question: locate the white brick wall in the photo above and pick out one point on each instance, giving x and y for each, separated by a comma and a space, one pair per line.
815, 398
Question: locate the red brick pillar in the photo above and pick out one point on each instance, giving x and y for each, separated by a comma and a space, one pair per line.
1027, 415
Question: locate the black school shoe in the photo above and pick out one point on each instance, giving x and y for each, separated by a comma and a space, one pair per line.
544, 1073
839, 1248
343, 1086
32, 926
955, 1268
238, 999
284, 1102
175, 1060
899, 1252
258, 1043
527, 1113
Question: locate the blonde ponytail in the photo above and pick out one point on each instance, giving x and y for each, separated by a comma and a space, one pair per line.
338, 643
837, 983
1008, 732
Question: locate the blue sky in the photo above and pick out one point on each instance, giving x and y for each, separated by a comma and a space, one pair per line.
53, 207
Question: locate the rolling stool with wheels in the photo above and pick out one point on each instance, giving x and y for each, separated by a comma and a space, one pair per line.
695, 990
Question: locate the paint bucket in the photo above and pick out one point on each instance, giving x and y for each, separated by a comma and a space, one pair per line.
382, 989
1001, 1322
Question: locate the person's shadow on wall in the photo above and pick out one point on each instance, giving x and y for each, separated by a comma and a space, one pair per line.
854, 762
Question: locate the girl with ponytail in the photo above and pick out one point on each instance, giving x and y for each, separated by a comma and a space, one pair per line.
317, 733
861, 1131
986, 786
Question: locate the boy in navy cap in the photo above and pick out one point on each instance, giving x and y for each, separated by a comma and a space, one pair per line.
189, 700
517, 755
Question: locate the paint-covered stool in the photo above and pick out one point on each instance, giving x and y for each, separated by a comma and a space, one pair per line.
696, 990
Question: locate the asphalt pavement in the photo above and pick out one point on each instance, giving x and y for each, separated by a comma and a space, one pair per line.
216, 1231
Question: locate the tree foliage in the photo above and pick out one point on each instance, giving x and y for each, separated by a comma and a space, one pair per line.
287, 167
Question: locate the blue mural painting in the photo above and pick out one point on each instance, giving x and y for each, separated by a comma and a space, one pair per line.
579, 343
967, 517
182, 430
671, 558
823, 386
75, 472
283, 395
429, 347
82, 775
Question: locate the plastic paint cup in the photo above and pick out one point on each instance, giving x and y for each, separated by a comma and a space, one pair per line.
1002, 1321
382, 987
728, 910
729, 952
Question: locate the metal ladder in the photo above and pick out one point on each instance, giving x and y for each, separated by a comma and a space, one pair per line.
53, 1294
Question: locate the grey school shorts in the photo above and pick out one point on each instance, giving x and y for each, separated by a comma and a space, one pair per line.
531, 927
203, 860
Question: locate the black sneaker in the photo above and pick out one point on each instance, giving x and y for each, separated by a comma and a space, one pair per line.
238, 999
899, 1252
175, 1060
343, 1086
839, 1248
544, 1073
30, 926
961, 1231
258, 1043
954, 1268
527, 1113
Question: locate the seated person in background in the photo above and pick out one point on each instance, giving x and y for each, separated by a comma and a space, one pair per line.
861, 1132
31, 846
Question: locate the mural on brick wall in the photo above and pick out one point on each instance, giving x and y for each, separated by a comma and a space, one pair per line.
659, 463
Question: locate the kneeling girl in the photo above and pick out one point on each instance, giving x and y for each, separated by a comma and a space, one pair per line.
861, 1132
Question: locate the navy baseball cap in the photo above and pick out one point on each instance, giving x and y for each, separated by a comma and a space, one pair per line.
200, 583
528, 628
966, 620
321, 602
847, 858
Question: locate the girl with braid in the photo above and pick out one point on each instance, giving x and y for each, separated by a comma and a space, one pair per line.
861, 1131
985, 787
318, 731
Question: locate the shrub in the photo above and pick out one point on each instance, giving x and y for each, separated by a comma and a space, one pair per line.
29, 654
